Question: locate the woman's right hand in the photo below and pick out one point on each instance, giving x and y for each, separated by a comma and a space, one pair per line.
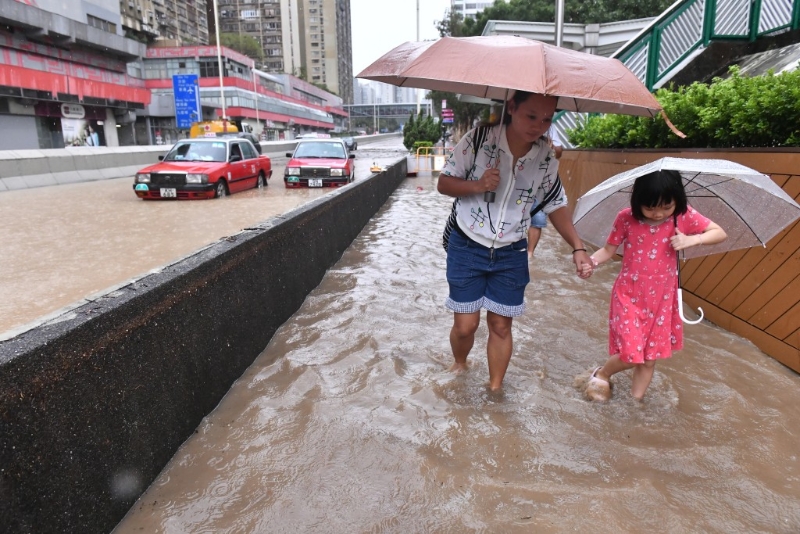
489, 181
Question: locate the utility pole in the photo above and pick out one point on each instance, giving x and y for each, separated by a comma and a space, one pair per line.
219, 59
419, 94
559, 22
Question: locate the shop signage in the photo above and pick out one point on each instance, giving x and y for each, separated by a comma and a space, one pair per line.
72, 111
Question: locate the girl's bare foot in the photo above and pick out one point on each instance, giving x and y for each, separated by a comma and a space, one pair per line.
594, 387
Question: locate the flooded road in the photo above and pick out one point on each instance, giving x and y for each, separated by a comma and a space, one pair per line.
348, 421
67, 243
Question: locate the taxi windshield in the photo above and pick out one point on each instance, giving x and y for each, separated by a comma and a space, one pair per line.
320, 150
197, 151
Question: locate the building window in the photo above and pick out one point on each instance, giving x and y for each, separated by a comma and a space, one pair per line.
101, 24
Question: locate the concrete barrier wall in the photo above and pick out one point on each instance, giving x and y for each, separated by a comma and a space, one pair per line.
23, 169
95, 403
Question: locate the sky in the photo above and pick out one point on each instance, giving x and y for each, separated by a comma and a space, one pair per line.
380, 25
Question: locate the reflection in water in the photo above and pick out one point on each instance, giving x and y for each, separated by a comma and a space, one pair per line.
348, 421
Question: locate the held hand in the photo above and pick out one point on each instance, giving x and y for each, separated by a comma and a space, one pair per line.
681, 241
583, 264
490, 180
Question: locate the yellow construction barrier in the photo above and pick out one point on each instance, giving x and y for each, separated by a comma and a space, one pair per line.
430, 158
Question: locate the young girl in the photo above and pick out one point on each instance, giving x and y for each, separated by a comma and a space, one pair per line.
644, 323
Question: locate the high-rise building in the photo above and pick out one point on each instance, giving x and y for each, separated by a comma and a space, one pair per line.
165, 22
468, 8
307, 38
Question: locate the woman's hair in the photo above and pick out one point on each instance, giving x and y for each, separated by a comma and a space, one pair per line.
518, 98
657, 189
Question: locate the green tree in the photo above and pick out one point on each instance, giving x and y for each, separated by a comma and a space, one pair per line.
410, 132
421, 128
464, 114
244, 44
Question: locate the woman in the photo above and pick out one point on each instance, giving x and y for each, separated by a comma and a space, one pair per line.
487, 261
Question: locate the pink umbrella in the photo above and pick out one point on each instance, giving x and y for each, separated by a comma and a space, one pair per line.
493, 66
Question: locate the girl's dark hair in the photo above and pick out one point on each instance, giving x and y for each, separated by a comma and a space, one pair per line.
657, 189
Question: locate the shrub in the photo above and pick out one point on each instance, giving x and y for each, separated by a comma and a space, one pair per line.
423, 128
738, 111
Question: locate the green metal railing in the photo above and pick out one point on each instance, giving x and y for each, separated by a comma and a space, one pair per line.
687, 27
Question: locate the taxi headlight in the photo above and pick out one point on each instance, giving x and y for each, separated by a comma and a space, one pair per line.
196, 178
142, 178
337, 172
292, 171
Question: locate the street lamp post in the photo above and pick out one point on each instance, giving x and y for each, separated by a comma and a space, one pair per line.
219, 58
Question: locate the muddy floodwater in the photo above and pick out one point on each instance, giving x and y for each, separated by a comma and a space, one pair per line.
349, 422
66, 245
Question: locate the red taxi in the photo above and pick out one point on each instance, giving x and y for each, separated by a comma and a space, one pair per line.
204, 168
319, 163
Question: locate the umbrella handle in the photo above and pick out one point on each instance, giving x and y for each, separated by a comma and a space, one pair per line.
680, 309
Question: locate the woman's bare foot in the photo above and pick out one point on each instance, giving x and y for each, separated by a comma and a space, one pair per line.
458, 368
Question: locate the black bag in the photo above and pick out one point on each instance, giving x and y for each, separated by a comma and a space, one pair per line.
478, 138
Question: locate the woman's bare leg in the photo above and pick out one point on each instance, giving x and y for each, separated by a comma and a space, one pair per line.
498, 348
462, 338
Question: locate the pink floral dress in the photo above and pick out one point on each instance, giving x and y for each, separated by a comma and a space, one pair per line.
643, 319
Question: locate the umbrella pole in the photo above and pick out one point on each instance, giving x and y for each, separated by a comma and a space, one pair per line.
489, 196
680, 297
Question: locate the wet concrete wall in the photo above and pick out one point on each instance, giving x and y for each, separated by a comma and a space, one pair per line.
94, 405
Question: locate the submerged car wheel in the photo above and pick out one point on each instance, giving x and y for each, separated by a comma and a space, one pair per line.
221, 190
262, 181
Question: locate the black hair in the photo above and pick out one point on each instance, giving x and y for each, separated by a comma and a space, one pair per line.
657, 189
518, 98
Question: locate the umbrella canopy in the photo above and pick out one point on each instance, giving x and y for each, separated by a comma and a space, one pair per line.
488, 66
747, 204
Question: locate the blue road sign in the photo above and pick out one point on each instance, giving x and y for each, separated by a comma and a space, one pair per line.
187, 99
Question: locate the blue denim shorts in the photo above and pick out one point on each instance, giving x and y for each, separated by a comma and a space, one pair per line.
539, 220
480, 277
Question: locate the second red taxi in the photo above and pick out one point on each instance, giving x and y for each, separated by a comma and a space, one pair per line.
319, 163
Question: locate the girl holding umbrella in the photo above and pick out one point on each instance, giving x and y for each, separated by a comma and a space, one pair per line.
645, 324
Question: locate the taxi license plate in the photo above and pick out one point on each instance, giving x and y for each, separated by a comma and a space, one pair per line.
315, 182
168, 192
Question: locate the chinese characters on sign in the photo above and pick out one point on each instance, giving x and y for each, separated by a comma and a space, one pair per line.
187, 100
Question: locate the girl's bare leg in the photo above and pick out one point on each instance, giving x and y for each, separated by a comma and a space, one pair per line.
613, 366
462, 338
498, 348
642, 375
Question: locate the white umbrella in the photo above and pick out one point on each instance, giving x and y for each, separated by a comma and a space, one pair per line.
747, 204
